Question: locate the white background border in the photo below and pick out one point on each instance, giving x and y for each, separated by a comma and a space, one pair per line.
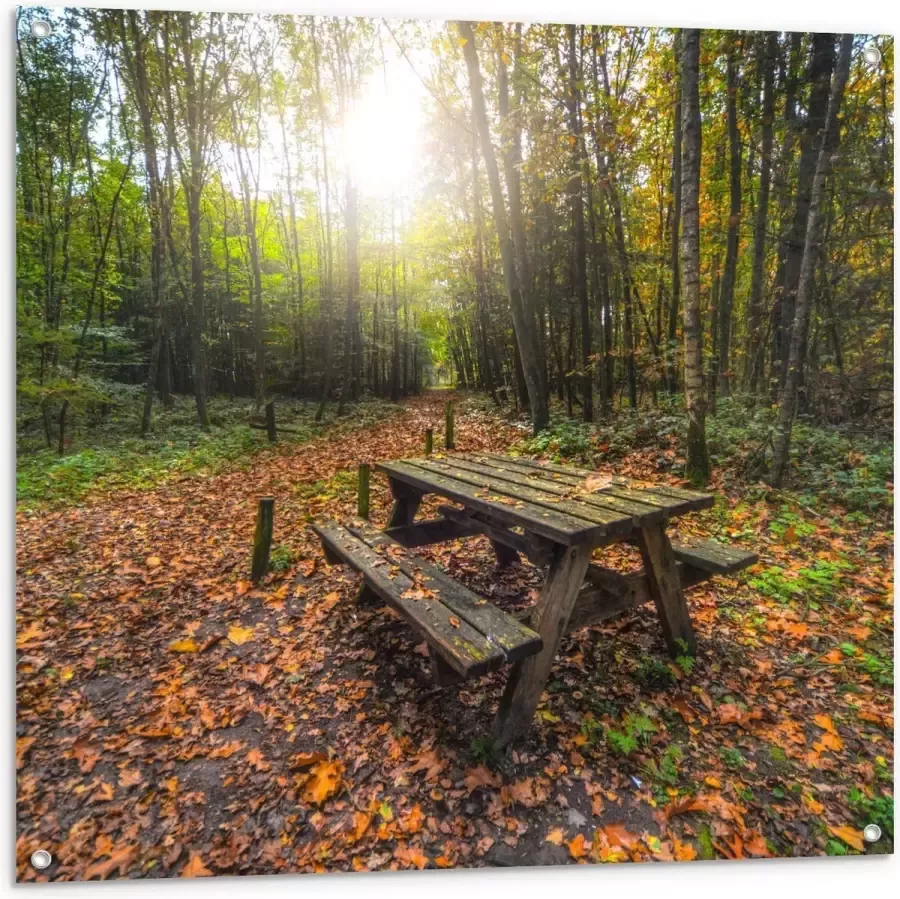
852, 878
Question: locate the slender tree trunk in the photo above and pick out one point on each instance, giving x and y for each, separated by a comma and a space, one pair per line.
697, 456
675, 231
524, 328
729, 275
820, 78
827, 148
755, 312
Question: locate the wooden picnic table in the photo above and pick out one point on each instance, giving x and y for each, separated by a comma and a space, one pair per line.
557, 516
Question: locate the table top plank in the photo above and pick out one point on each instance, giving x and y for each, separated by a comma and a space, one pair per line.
614, 522
554, 525
641, 511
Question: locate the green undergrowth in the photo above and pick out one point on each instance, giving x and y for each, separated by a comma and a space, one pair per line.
829, 465
100, 459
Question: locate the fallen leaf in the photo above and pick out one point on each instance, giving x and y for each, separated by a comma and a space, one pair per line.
195, 867
326, 779
118, 861
555, 836
186, 645
850, 835
239, 635
576, 846
481, 776
153, 561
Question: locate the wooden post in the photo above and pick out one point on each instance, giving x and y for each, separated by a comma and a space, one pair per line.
449, 442
429, 441
270, 422
362, 496
262, 539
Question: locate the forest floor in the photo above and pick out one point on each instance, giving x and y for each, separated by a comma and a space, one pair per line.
175, 721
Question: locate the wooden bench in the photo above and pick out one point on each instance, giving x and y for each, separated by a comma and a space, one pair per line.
712, 557
466, 635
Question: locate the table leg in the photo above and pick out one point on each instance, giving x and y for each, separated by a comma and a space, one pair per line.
506, 555
406, 504
528, 677
665, 589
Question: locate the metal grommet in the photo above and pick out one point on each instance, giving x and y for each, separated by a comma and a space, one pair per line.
872, 55
41, 859
41, 28
872, 833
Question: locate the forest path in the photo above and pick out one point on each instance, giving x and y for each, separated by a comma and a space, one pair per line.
173, 720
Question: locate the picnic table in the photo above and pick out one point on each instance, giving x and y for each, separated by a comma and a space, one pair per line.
557, 516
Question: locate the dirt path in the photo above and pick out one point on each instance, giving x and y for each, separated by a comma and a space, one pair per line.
174, 721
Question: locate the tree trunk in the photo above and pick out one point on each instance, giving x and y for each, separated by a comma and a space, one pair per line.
827, 143
675, 230
697, 457
755, 311
726, 302
524, 328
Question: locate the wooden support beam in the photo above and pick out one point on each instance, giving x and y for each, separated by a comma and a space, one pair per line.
666, 591
406, 503
433, 530
262, 539
429, 441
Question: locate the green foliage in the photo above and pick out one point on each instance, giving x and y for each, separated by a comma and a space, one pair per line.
732, 757
666, 770
636, 732
873, 810
486, 750
281, 558
821, 581
654, 673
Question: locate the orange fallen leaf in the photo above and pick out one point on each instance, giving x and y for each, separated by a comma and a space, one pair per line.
305, 759
153, 561
324, 782
850, 835
454, 621
411, 856
481, 776
713, 782
186, 645
755, 844
195, 867
555, 836
618, 835
23, 744
576, 846
256, 761
118, 861
684, 852
825, 722
361, 822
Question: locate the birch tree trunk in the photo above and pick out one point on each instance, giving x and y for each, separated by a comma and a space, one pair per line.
695, 398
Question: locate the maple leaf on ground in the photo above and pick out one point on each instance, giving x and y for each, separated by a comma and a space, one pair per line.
755, 844
305, 759
359, 825
411, 856
256, 761
482, 776
555, 836
324, 781
86, 754
195, 867
576, 846
413, 821
619, 835
153, 561
118, 861
684, 852
850, 835
430, 762
239, 635
186, 645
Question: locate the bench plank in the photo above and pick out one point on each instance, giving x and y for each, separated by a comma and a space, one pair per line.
502, 630
708, 555
466, 650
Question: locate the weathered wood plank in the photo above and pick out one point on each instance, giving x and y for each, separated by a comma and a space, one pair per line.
462, 646
557, 526
665, 589
534, 548
611, 522
500, 629
550, 618
714, 557
434, 530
